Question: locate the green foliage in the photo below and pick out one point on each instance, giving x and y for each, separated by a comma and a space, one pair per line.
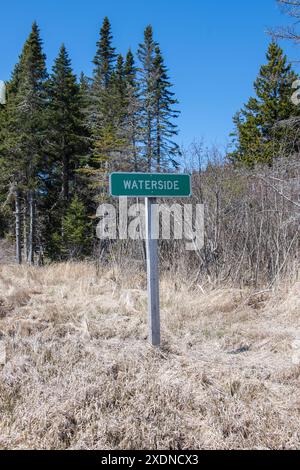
76, 231
24, 131
133, 114
60, 138
130, 70
158, 114
105, 56
3, 179
67, 143
146, 53
66, 124
74, 241
258, 133
166, 150
106, 115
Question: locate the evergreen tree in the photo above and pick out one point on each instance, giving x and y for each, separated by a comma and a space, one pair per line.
75, 239
66, 122
258, 132
165, 149
104, 112
146, 54
120, 76
158, 110
4, 183
67, 142
26, 104
3, 119
130, 70
117, 95
133, 112
25, 134
59, 139
99, 96
105, 56
76, 232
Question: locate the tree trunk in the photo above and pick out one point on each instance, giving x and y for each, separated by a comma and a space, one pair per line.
66, 176
30, 257
149, 143
25, 231
158, 144
135, 159
18, 228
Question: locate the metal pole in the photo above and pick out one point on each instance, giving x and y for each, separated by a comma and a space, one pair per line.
152, 275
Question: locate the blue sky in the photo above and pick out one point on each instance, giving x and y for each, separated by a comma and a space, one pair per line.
212, 49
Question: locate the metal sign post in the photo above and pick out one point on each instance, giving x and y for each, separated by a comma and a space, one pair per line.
150, 186
152, 275
2, 92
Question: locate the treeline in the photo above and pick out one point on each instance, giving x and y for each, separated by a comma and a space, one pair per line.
60, 137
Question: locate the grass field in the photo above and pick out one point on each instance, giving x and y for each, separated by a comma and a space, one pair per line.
76, 371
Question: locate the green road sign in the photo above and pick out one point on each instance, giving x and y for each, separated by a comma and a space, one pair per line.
150, 185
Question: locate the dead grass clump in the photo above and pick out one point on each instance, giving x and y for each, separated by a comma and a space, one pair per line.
77, 372
19, 297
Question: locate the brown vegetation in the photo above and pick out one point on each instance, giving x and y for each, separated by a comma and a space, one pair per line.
76, 370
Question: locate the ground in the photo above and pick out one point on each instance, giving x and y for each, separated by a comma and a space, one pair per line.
76, 371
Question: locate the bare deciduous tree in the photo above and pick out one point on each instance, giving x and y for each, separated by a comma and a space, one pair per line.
290, 32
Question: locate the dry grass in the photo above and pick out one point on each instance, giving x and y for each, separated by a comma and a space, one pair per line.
7, 252
76, 371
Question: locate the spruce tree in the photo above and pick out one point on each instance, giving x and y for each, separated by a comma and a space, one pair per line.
130, 70
65, 121
67, 143
99, 96
117, 95
56, 133
120, 84
26, 103
258, 132
76, 238
158, 111
74, 241
133, 113
165, 149
104, 59
4, 183
146, 54
25, 134
104, 111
